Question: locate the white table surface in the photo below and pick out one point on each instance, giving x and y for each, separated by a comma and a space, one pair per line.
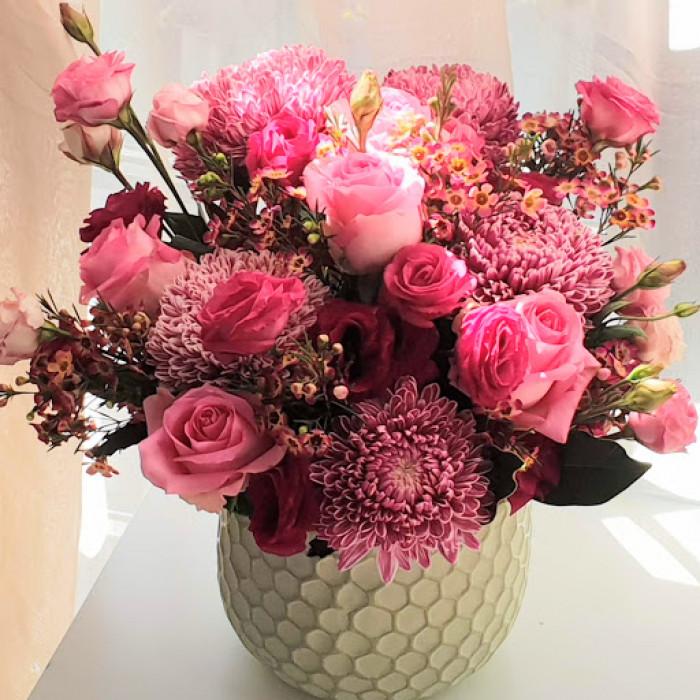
612, 611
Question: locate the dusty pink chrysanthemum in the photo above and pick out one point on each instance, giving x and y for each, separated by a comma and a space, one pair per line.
301, 80
175, 343
407, 477
480, 99
512, 253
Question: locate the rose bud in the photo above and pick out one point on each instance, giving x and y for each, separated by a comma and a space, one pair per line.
177, 111
93, 145
649, 395
77, 24
662, 275
365, 103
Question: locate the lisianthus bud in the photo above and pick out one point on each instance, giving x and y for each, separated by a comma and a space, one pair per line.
661, 275
649, 394
77, 24
96, 145
644, 372
365, 103
685, 309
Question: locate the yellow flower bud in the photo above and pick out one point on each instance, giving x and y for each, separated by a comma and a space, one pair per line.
365, 103
644, 372
685, 309
661, 275
649, 395
77, 24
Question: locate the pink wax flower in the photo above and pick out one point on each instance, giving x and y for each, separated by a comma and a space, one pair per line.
21, 318
287, 144
628, 265
559, 366
177, 111
663, 342
204, 445
247, 313
671, 428
93, 90
615, 112
128, 267
491, 359
424, 282
372, 203
92, 145
285, 507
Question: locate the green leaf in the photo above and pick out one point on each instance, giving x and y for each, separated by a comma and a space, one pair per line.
593, 471
182, 243
186, 225
623, 332
120, 439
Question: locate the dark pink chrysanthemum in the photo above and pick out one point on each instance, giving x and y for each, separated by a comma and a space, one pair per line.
511, 253
300, 80
480, 99
407, 477
175, 343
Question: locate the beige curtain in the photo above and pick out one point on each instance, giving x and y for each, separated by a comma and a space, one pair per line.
42, 199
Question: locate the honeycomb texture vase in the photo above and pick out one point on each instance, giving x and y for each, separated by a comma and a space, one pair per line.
346, 635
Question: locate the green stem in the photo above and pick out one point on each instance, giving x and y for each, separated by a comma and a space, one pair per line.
121, 177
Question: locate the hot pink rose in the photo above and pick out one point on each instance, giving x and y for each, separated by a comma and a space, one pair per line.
204, 445
20, 320
424, 282
93, 90
287, 143
98, 145
664, 342
671, 428
490, 360
559, 366
546, 183
247, 313
176, 112
628, 266
372, 203
129, 266
615, 112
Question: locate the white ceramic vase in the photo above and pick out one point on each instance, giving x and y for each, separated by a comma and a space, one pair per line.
345, 635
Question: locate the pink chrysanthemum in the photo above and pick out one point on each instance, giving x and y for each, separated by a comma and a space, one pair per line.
301, 80
175, 344
406, 477
481, 100
512, 253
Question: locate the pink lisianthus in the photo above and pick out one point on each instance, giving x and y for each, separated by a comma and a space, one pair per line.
92, 145
177, 111
93, 90
663, 342
615, 112
247, 313
204, 445
372, 203
671, 428
128, 267
21, 318
424, 282
286, 144
628, 266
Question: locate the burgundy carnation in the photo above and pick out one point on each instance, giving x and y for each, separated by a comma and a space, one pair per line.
285, 507
380, 347
127, 205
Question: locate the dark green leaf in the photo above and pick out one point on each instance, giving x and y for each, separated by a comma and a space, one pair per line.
186, 225
623, 332
182, 243
120, 439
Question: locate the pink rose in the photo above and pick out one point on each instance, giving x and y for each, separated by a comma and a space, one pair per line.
372, 203
424, 282
176, 112
559, 366
20, 321
615, 112
546, 183
671, 428
287, 144
93, 90
204, 445
129, 266
628, 266
664, 342
247, 313
92, 145
490, 359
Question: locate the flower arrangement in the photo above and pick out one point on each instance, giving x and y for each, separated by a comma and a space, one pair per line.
396, 307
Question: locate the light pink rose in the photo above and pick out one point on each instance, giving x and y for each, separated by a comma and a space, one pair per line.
287, 143
96, 145
628, 266
93, 90
615, 112
424, 282
671, 428
204, 445
129, 266
664, 343
559, 366
176, 112
20, 321
372, 203
247, 313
